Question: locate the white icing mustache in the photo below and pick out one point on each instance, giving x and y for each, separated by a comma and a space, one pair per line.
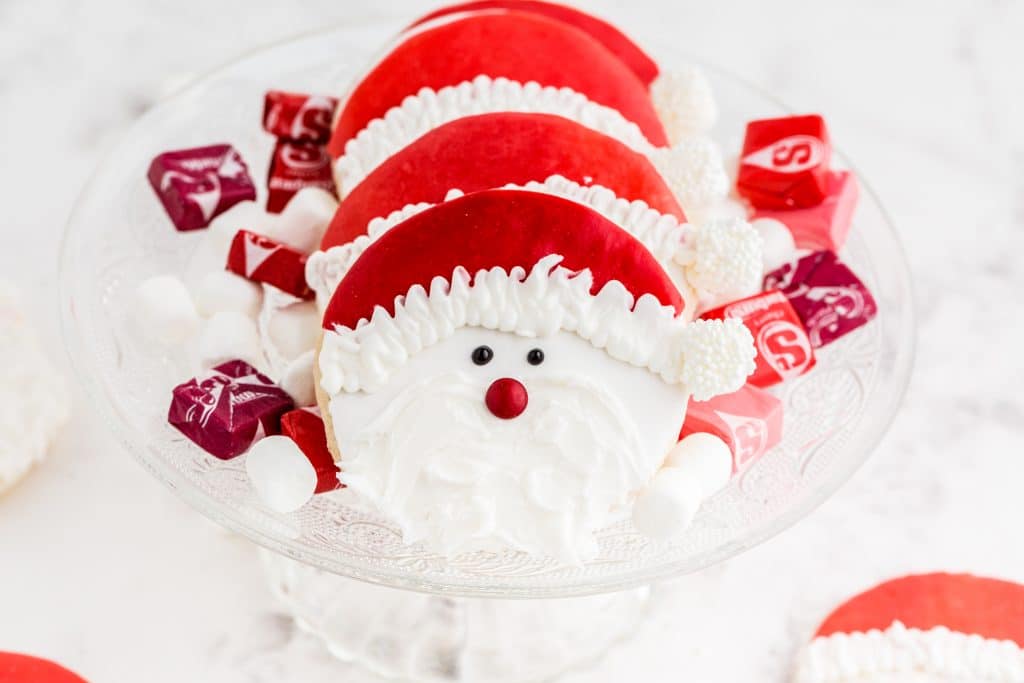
446, 470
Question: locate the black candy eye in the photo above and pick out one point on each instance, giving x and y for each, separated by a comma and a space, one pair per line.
482, 355
535, 357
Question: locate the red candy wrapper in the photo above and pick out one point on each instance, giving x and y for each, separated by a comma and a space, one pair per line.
229, 409
261, 259
783, 346
784, 164
195, 185
298, 117
824, 226
749, 420
294, 166
829, 298
306, 428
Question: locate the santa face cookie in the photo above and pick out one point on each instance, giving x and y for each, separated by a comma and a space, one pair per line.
510, 369
929, 628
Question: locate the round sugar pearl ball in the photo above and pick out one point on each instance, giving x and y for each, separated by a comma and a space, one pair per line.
778, 246
164, 310
705, 458
280, 473
294, 329
229, 335
298, 379
222, 290
668, 505
305, 218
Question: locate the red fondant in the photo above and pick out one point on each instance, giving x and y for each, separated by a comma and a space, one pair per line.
612, 38
784, 349
491, 150
968, 604
306, 428
16, 668
517, 45
503, 228
506, 398
749, 420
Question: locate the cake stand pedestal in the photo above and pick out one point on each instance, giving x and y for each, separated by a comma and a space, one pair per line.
413, 636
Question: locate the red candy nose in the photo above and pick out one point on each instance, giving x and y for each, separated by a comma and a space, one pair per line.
506, 398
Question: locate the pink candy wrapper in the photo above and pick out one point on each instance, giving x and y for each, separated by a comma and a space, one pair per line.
229, 409
749, 420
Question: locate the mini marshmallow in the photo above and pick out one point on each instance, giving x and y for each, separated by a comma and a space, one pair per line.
280, 473
221, 290
226, 336
668, 505
778, 247
298, 379
705, 459
164, 310
304, 220
295, 329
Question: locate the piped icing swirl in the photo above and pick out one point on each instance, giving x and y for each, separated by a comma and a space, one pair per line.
898, 653
707, 357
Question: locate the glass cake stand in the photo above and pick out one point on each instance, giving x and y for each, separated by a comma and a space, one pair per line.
456, 618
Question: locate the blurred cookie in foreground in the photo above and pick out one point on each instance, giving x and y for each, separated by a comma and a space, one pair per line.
928, 628
33, 395
15, 668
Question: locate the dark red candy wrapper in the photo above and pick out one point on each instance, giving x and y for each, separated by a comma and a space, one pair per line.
783, 346
784, 163
227, 410
294, 166
829, 298
262, 259
298, 117
749, 420
195, 185
306, 428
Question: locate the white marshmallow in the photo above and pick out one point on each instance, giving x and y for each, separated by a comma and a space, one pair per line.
705, 458
280, 473
298, 379
294, 329
668, 505
222, 290
229, 335
778, 247
304, 220
164, 310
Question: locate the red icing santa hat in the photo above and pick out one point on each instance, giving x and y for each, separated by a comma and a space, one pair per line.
527, 263
491, 150
937, 627
490, 60
17, 668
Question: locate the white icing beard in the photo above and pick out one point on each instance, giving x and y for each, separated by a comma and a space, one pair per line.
428, 453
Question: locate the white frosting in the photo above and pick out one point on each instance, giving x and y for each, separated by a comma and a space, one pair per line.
428, 109
693, 168
707, 357
721, 259
899, 654
426, 451
34, 401
684, 102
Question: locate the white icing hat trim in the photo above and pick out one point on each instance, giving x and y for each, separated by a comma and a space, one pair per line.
953, 656
684, 102
694, 170
722, 257
708, 357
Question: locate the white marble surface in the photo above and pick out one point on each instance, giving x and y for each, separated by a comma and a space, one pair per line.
105, 570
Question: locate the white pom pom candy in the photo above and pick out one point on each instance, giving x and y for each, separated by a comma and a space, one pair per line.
164, 310
694, 170
222, 290
684, 102
280, 473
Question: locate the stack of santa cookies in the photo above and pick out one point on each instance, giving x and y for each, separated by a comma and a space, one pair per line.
533, 262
